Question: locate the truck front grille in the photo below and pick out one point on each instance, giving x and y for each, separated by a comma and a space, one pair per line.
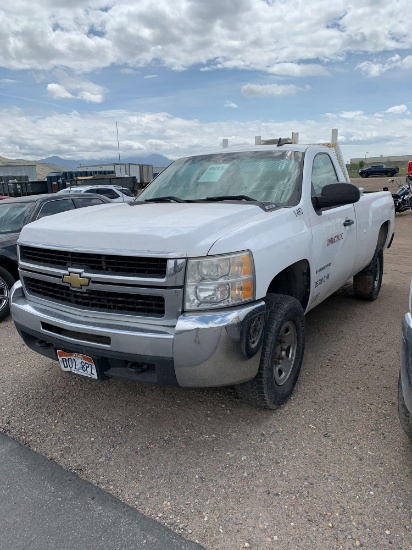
103, 263
114, 302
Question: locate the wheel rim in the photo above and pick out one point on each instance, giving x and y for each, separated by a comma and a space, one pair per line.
284, 353
4, 294
376, 280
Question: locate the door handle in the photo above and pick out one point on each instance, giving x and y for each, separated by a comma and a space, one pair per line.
348, 222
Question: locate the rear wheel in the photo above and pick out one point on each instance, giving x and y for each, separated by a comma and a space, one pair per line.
6, 282
282, 354
367, 283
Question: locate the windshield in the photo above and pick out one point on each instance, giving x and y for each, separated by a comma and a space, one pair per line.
13, 216
269, 176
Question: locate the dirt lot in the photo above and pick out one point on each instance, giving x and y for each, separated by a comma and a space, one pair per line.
331, 469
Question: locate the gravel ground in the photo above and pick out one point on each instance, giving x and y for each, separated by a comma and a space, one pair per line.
331, 469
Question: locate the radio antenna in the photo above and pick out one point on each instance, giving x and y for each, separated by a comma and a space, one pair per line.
118, 144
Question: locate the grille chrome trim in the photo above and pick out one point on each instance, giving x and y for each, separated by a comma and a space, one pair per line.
173, 275
131, 303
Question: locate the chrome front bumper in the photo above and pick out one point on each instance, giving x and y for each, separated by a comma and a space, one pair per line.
201, 350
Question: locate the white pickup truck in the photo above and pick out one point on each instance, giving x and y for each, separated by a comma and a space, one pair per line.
205, 279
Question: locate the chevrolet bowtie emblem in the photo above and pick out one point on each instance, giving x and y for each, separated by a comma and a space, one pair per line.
75, 280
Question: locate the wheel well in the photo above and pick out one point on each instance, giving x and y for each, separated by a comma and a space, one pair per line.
293, 281
383, 235
10, 266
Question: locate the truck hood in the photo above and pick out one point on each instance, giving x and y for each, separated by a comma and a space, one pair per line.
175, 229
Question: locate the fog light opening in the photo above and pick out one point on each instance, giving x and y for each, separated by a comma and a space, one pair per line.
134, 366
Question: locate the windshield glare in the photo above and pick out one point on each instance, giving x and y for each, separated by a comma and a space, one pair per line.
12, 217
269, 176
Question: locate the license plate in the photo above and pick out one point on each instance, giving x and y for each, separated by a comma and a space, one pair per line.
77, 363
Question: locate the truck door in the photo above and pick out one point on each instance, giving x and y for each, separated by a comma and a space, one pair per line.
333, 234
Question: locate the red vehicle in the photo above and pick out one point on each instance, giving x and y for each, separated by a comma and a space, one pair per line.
4, 197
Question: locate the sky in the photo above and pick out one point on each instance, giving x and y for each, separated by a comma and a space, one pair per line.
92, 78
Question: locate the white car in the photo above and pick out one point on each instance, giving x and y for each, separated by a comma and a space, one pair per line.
115, 193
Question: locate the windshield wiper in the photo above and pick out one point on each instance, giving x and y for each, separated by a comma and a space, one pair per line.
231, 198
169, 198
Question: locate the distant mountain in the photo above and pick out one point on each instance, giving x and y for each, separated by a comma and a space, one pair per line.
71, 164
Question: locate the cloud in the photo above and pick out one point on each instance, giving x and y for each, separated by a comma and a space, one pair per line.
296, 70
93, 135
56, 91
398, 110
85, 35
372, 69
150, 76
231, 105
70, 87
347, 115
269, 90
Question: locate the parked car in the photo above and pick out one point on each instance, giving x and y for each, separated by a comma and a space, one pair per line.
19, 211
3, 197
115, 193
379, 170
405, 375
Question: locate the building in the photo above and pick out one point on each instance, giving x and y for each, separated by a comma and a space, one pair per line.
142, 172
20, 172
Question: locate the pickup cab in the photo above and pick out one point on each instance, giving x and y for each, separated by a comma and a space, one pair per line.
205, 279
379, 170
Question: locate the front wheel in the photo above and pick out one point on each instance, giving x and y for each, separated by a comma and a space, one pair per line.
6, 282
282, 354
367, 283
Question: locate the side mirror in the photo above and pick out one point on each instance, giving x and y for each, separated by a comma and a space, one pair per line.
337, 194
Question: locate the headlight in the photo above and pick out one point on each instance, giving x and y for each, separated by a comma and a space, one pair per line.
218, 281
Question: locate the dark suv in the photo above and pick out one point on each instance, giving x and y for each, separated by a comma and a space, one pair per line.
19, 211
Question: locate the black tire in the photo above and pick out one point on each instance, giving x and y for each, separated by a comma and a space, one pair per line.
6, 282
367, 283
405, 416
282, 354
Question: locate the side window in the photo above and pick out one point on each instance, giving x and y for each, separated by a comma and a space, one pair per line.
109, 193
323, 172
89, 201
54, 207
